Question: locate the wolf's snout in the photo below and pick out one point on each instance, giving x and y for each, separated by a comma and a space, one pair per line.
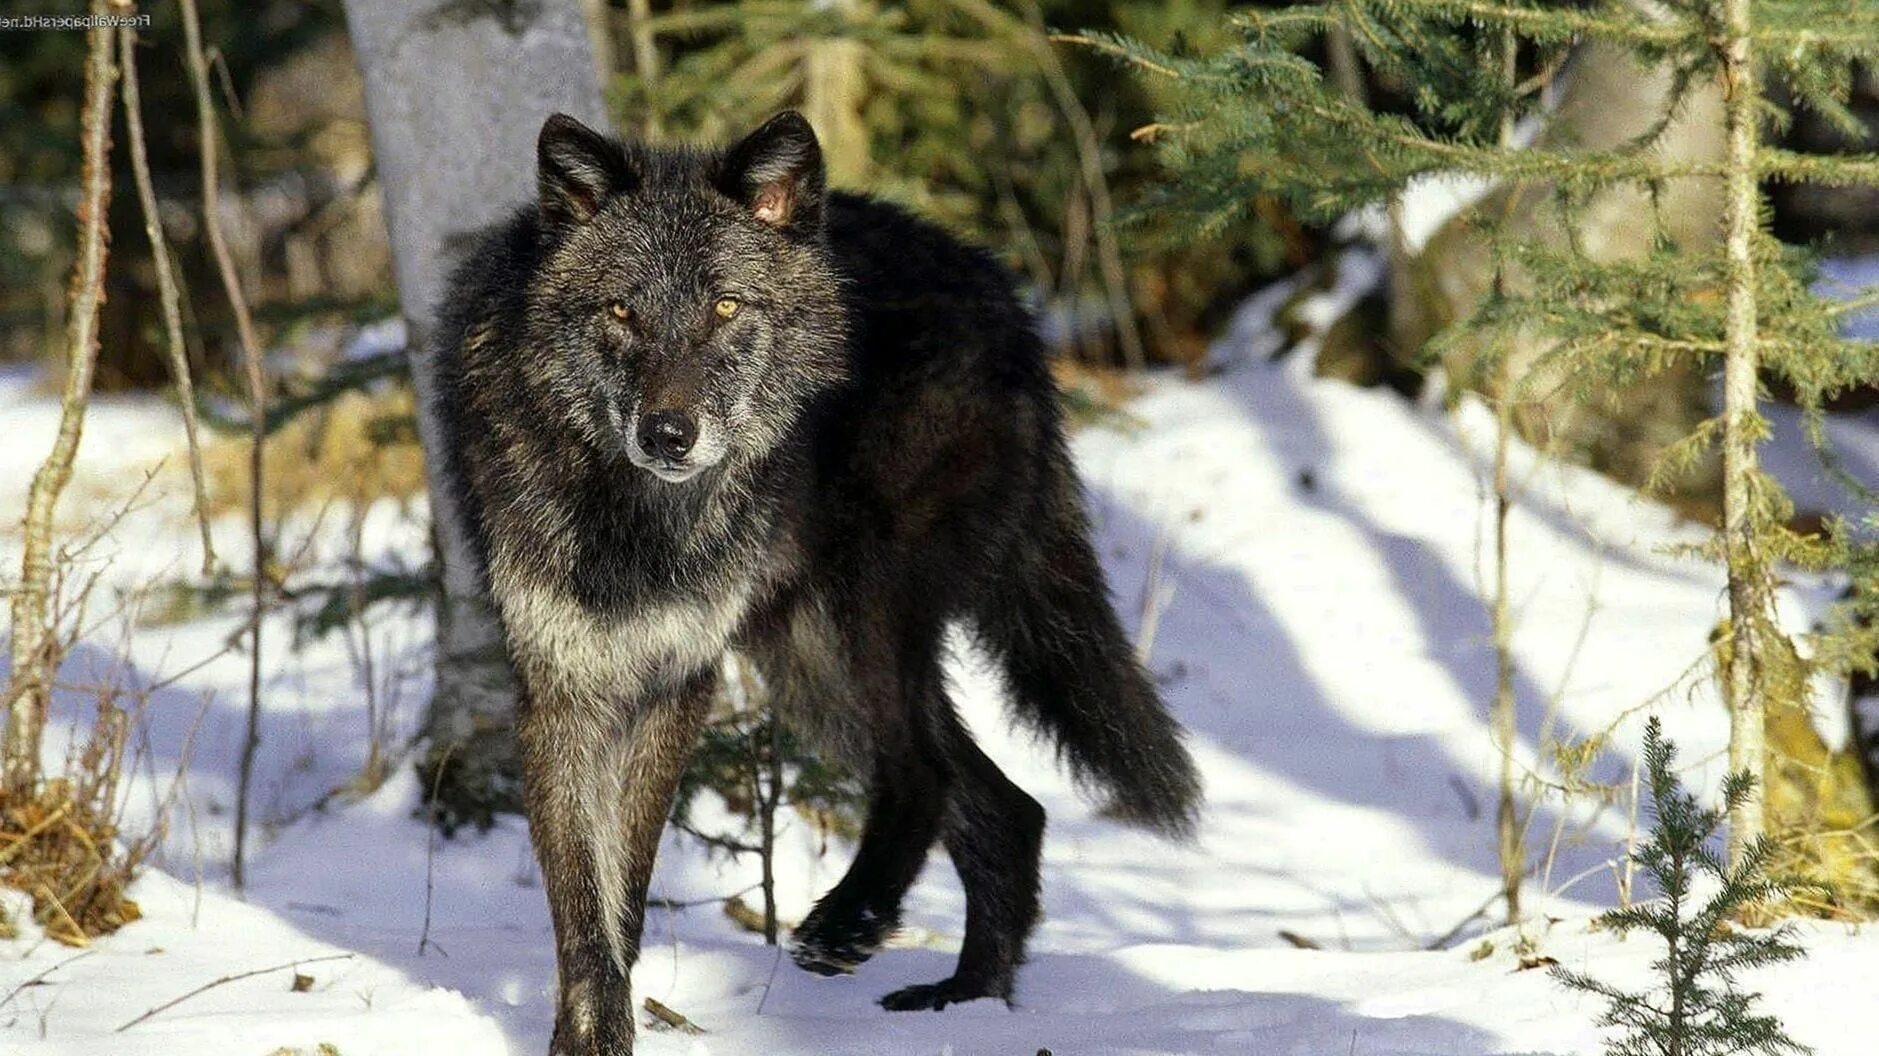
668, 435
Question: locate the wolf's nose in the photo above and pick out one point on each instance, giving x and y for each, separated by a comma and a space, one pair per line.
667, 434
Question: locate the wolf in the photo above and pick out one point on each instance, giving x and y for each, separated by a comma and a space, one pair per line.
695, 402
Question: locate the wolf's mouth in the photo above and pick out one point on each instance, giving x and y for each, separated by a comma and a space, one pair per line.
670, 472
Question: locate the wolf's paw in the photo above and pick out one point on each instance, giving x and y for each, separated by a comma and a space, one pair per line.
828, 944
835, 941
934, 997
823, 961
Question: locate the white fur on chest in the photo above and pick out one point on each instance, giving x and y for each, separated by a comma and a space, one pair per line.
592, 656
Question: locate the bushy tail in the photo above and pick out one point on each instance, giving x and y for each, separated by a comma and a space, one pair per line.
1074, 676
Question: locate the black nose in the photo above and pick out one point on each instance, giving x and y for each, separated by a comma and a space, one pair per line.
667, 434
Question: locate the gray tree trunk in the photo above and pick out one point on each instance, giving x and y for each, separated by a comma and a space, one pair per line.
456, 91
1754, 630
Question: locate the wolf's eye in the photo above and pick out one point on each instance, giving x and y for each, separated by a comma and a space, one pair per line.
619, 311
726, 307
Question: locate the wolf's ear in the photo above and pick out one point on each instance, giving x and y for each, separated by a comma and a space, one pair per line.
577, 169
776, 172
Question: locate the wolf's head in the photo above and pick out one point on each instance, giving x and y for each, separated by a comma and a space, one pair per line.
686, 307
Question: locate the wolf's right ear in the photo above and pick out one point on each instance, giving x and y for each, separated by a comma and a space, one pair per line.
577, 169
776, 172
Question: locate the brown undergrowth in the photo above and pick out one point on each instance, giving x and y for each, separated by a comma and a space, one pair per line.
61, 842
1095, 395
357, 448
1819, 810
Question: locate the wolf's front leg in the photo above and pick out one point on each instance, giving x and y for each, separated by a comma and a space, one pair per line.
598, 782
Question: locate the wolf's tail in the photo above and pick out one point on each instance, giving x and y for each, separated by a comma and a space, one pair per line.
1074, 676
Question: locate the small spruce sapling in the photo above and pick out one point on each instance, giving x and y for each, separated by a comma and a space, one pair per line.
1695, 1007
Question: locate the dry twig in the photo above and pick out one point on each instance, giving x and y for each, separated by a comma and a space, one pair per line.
208, 147
42, 977
676, 1020
166, 284
225, 980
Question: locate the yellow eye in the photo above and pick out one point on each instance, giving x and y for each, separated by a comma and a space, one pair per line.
619, 311
726, 307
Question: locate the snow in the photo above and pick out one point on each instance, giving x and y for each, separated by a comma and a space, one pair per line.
1426, 205
1430, 201
1312, 559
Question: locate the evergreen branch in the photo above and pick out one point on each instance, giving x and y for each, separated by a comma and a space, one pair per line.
1559, 25
1310, 18
1175, 67
1583, 169
1133, 56
1838, 39
1831, 170
344, 601
1856, 304
1653, 343
1844, 30
348, 376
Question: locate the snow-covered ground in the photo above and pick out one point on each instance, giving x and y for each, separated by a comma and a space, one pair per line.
1311, 560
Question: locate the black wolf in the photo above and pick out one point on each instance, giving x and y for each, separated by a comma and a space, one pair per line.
696, 403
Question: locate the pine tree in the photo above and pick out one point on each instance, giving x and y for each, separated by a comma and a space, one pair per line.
1263, 120
1696, 1007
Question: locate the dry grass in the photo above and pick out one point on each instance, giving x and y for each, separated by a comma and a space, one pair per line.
61, 839
60, 844
1821, 820
358, 448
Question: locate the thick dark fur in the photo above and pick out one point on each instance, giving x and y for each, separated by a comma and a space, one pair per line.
864, 447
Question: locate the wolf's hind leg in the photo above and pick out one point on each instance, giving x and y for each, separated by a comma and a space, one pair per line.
904, 815
994, 833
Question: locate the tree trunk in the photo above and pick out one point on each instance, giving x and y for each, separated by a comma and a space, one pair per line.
834, 90
1510, 837
34, 634
645, 62
600, 36
455, 95
1751, 591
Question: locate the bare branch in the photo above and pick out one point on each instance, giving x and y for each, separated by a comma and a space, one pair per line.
225, 980
210, 137
166, 284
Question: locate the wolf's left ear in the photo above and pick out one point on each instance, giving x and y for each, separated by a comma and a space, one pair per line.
776, 172
577, 169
